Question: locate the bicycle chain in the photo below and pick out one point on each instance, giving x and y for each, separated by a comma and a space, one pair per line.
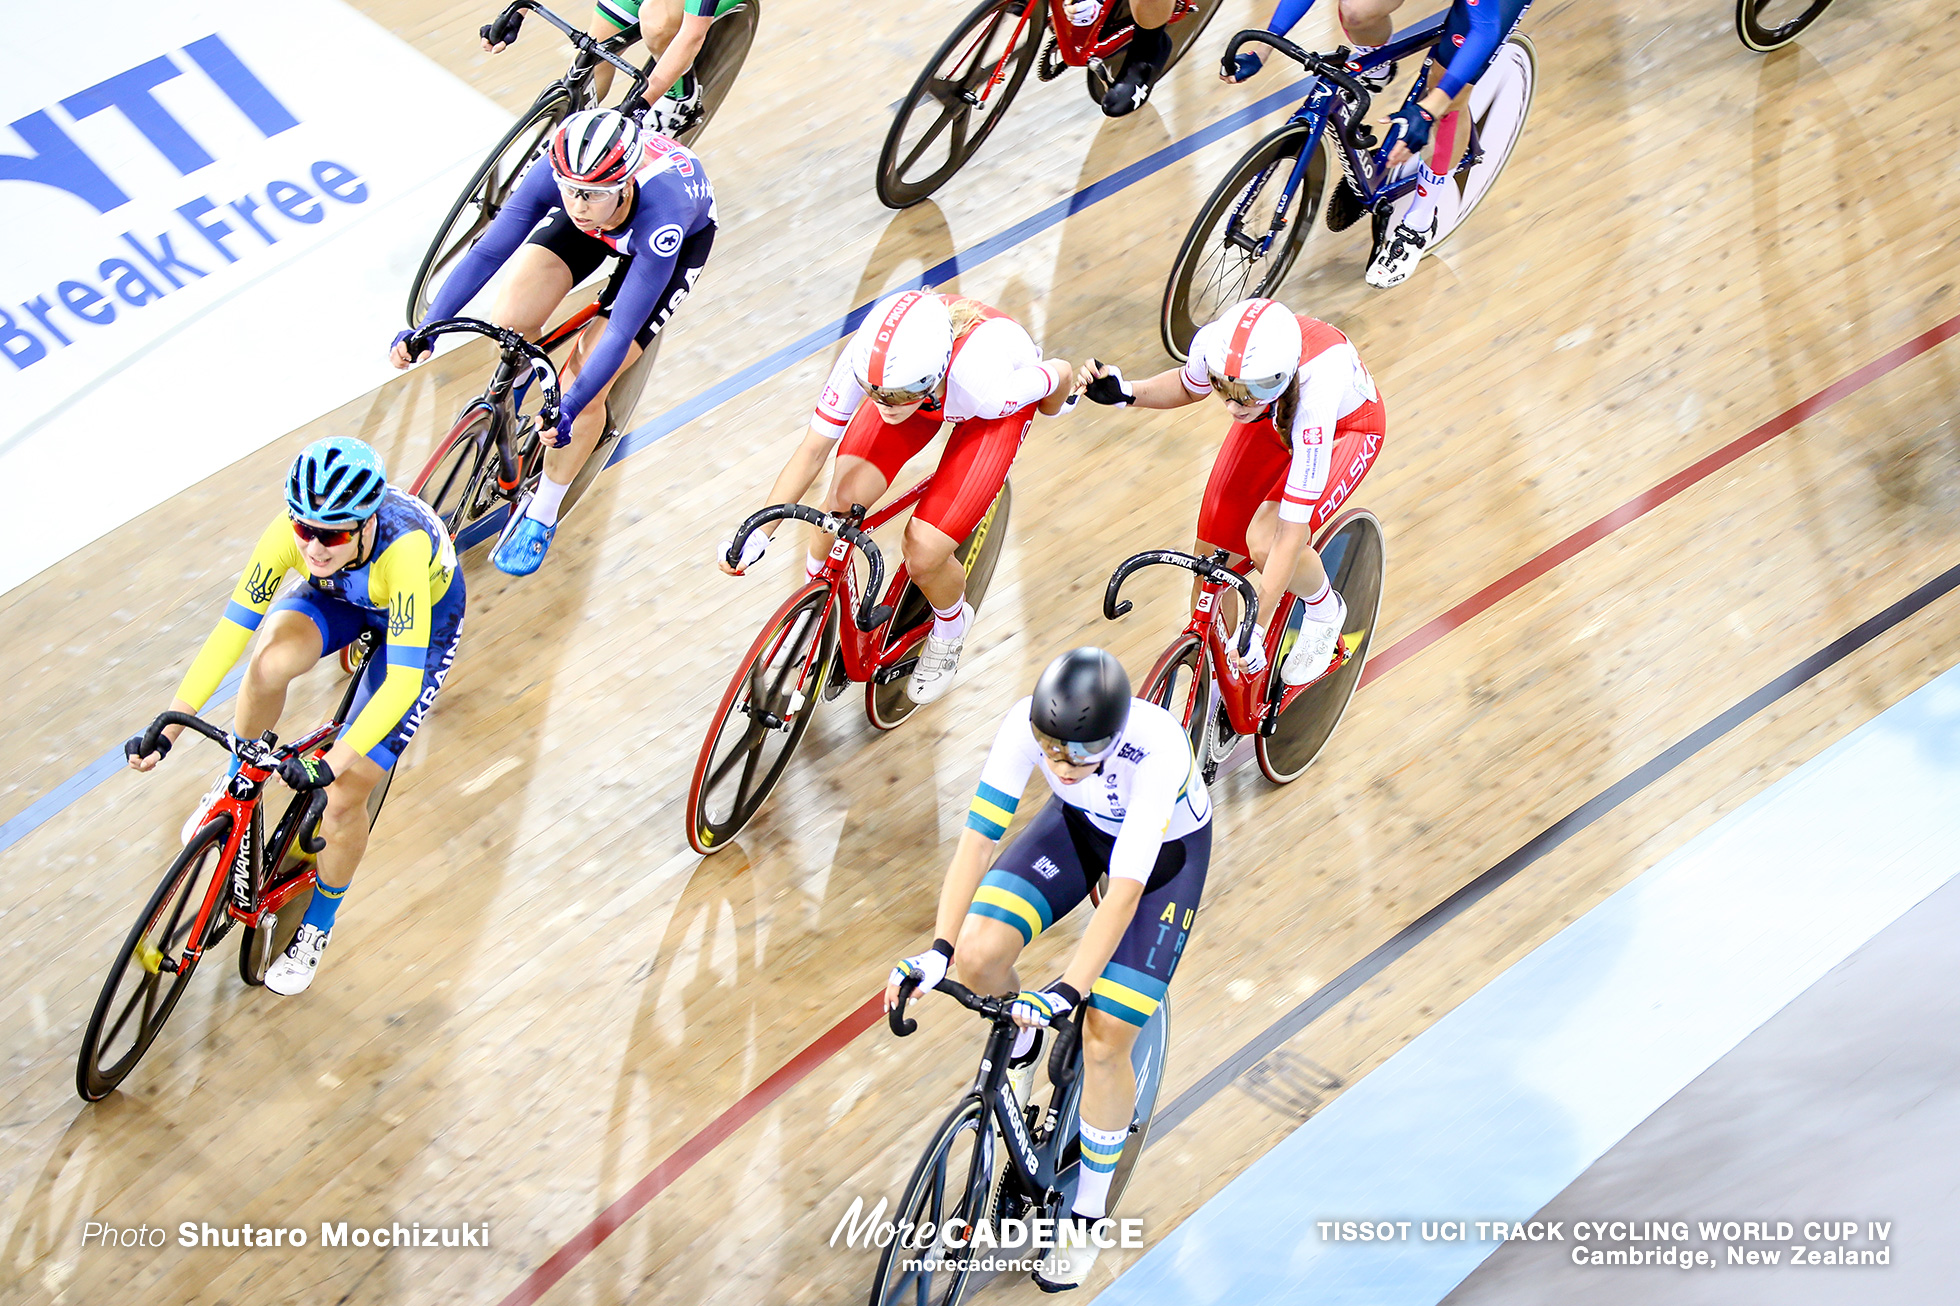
1049, 68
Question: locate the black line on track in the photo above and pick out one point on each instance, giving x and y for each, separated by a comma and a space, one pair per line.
1545, 841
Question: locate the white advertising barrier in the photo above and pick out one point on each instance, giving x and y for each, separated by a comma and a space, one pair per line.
208, 225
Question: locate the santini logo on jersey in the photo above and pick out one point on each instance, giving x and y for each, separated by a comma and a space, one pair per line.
1129, 753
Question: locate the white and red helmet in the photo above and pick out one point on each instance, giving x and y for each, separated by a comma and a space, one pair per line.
1254, 358
597, 149
901, 352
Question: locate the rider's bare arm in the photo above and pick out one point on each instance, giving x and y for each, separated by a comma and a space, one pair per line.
1164, 390
679, 55
970, 862
1064, 386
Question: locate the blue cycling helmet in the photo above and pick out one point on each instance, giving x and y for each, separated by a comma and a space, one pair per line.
338, 481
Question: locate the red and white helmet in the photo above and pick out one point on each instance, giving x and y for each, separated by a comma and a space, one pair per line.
903, 349
597, 149
1254, 358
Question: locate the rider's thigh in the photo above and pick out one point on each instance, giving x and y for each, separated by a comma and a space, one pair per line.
289, 644
926, 547
537, 284
856, 480
1259, 532
582, 347
1354, 12
1106, 1037
985, 951
354, 778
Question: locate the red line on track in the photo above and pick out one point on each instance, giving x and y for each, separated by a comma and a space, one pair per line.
837, 1036
1641, 504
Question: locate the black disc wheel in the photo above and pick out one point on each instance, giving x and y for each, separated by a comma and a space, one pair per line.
1766, 25
1180, 683
1188, 23
1355, 556
888, 705
484, 196
959, 99
1242, 243
951, 1188
764, 712
460, 479
151, 969
720, 61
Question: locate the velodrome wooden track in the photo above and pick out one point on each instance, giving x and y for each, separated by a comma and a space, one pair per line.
537, 995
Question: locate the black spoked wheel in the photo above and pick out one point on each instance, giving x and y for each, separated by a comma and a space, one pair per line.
1241, 244
764, 713
1353, 551
1766, 25
460, 480
959, 99
950, 1189
1180, 683
721, 59
484, 196
888, 705
150, 971
1187, 25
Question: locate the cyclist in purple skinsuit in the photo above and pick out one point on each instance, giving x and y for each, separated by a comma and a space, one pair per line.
610, 188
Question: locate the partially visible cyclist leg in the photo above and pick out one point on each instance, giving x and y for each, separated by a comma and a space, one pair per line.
970, 474
1149, 51
609, 19
356, 772
289, 645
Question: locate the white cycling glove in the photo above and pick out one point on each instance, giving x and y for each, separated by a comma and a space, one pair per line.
1084, 12
752, 549
928, 967
1255, 657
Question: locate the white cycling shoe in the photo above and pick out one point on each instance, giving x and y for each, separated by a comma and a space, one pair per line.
294, 969
939, 662
196, 820
1064, 1268
1399, 254
1314, 647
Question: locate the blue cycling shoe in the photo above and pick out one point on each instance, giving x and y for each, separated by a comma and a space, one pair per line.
521, 549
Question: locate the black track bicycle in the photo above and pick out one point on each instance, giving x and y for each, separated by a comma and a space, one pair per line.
995, 1158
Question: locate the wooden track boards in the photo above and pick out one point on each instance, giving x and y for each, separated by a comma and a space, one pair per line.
537, 995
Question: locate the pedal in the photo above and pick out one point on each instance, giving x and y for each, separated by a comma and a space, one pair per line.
1344, 206
897, 671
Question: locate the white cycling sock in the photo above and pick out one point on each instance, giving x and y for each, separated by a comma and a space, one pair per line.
812, 565
1423, 208
550, 496
951, 624
1322, 606
1100, 1150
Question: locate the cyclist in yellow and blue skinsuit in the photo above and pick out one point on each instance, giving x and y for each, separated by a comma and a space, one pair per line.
375, 558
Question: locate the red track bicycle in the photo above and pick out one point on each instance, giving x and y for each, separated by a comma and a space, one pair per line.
807, 654
975, 75
1215, 699
193, 909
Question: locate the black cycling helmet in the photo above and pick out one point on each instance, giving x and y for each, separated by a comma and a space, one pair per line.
1080, 705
